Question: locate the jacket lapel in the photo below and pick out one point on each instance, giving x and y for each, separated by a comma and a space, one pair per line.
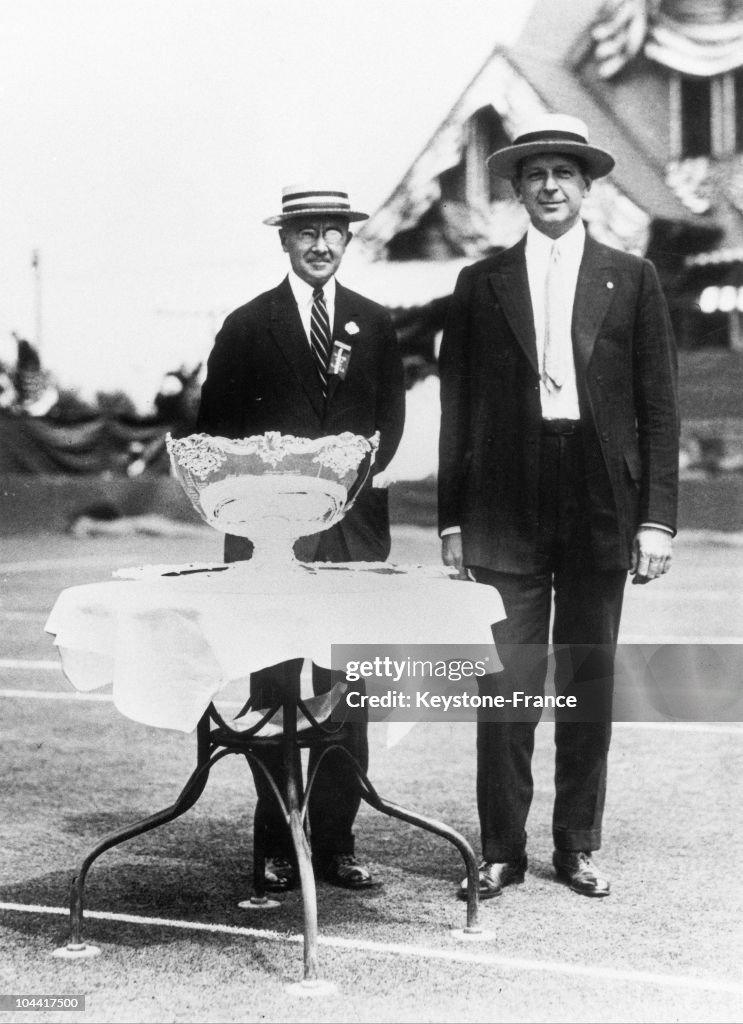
510, 283
344, 313
288, 333
593, 295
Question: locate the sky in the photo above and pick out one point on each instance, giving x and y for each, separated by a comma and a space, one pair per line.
144, 141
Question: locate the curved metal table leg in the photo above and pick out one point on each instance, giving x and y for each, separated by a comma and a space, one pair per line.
209, 751
259, 900
186, 799
259, 852
439, 828
295, 805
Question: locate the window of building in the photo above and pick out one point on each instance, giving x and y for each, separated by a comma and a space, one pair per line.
696, 116
470, 181
453, 184
707, 115
488, 134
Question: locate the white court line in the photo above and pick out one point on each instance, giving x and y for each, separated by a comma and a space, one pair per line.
24, 616
79, 696
31, 666
692, 641
719, 728
50, 564
406, 950
41, 695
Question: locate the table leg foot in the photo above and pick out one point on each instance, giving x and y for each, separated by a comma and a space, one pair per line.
312, 988
76, 951
258, 903
475, 934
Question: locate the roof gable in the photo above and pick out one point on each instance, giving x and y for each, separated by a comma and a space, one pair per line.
516, 84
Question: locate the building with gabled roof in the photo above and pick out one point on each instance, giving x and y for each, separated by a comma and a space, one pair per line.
660, 84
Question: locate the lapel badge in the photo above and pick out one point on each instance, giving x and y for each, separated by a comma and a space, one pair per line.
610, 284
351, 328
340, 357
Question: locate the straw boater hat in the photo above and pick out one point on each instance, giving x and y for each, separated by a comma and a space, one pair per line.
309, 201
551, 133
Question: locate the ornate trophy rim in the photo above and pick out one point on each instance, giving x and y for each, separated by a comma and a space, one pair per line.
334, 465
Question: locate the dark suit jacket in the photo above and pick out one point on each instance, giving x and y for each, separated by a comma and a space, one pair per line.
261, 375
625, 364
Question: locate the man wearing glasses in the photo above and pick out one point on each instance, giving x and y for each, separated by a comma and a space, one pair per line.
311, 358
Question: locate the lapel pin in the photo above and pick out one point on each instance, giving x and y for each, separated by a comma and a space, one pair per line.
609, 284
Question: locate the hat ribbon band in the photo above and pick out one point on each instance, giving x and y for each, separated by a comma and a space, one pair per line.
549, 136
292, 197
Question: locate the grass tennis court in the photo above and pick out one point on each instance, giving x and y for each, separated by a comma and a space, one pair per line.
666, 946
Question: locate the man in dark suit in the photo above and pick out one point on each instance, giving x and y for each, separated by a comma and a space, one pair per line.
558, 475
311, 358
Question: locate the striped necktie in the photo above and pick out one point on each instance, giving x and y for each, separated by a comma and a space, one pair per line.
320, 337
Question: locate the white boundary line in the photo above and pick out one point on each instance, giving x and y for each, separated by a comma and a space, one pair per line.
637, 640
24, 616
50, 564
27, 664
719, 728
407, 950
75, 698
82, 696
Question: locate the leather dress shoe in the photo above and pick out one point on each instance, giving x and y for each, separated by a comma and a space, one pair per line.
344, 870
494, 876
579, 872
279, 875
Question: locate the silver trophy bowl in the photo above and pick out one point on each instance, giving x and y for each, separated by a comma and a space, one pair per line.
272, 488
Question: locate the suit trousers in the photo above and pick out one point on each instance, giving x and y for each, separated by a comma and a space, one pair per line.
587, 611
335, 795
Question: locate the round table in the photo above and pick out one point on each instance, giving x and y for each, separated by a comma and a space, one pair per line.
171, 638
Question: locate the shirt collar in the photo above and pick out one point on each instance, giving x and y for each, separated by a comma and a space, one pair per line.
571, 243
303, 292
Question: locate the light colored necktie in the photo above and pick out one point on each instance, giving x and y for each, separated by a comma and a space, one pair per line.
553, 368
320, 337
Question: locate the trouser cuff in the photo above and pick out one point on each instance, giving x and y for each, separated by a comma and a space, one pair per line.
503, 852
577, 840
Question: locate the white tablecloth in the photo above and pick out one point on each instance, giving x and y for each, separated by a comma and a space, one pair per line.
169, 644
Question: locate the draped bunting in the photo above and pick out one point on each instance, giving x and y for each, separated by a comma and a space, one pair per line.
701, 48
694, 37
99, 445
619, 34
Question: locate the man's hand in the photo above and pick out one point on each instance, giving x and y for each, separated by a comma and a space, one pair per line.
652, 551
451, 553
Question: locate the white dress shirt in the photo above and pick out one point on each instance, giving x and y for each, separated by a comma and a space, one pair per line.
303, 297
561, 403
